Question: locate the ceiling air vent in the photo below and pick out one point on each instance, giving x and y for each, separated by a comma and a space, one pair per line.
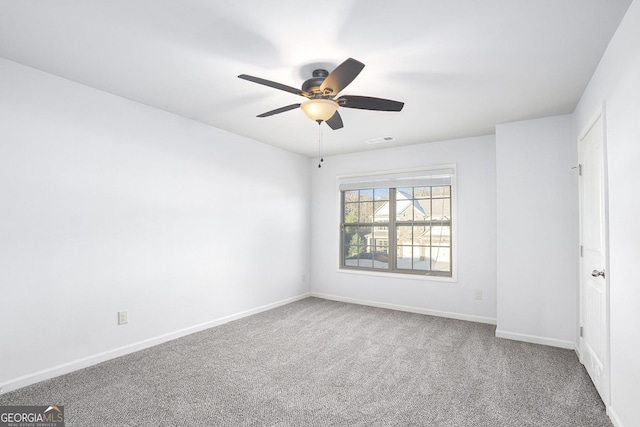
379, 140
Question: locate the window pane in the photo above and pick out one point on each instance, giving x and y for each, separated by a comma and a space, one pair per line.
349, 230
366, 258
422, 192
440, 259
381, 194
404, 258
421, 260
404, 235
353, 242
380, 236
444, 191
351, 196
422, 210
421, 235
366, 233
404, 204
381, 257
382, 249
351, 212
345, 248
404, 209
366, 195
407, 192
365, 212
367, 263
441, 236
381, 211
351, 262
441, 209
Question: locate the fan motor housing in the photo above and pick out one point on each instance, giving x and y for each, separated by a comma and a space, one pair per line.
313, 84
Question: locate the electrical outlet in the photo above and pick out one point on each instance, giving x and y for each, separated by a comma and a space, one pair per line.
478, 295
122, 318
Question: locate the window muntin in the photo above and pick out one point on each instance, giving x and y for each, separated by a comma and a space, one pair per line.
416, 239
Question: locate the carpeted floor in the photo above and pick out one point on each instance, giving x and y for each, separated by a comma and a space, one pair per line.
324, 363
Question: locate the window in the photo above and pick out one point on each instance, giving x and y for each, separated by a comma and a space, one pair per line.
400, 223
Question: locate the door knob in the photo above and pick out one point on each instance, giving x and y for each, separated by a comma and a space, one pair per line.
596, 273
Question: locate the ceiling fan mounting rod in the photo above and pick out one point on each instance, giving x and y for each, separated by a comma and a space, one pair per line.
320, 73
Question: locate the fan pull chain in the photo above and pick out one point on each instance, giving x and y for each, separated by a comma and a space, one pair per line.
320, 143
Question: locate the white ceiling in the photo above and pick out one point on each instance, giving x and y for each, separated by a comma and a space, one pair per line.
460, 66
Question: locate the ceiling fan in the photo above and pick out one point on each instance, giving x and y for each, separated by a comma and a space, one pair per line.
321, 90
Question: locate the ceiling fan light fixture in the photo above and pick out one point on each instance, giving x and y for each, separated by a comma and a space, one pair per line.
319, 109
320, 91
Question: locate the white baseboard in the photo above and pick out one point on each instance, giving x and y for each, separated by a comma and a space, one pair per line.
613, 416
85, 362
409, 309
576, 348
552, 342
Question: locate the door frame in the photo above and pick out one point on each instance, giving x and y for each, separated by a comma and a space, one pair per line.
600, 114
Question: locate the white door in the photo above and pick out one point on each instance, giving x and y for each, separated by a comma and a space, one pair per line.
594, 295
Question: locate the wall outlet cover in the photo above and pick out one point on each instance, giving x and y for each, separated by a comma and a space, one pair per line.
122, 318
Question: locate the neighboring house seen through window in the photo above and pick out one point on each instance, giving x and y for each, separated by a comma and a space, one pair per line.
399, 223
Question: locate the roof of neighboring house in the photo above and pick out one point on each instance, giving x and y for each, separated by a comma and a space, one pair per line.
403, 203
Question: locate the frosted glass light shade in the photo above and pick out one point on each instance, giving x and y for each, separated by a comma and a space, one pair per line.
319, 109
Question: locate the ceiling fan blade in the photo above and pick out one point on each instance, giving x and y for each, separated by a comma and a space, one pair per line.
339, 78
369, 103
335, 122
273, 84
279, 110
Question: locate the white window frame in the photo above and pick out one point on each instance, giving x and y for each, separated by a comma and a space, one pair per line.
397, 179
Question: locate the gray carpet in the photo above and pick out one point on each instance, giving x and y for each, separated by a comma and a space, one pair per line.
324, 363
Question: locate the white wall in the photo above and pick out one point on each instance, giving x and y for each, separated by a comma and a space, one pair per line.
110, 205
616, 84
475, 177
537, 214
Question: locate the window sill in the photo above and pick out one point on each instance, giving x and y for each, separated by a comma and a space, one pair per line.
424, 278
